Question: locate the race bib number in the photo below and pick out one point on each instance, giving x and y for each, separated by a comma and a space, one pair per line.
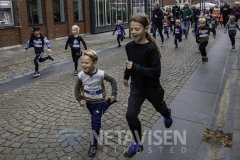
93, 92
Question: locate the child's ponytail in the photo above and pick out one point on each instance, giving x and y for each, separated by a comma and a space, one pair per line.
151, 38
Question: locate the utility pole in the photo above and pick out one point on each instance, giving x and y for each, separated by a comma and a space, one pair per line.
129, 16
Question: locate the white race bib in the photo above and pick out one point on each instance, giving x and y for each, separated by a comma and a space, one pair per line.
93, 92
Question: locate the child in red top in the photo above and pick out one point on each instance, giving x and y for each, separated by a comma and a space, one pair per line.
166, 25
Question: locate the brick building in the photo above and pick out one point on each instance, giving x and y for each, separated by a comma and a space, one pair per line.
55, 17
169, 2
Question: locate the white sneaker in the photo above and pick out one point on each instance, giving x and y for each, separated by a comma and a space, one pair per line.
36, 74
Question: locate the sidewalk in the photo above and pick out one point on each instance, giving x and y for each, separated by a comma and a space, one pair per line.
207, 103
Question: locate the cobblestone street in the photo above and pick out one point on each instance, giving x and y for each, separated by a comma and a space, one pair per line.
42, 120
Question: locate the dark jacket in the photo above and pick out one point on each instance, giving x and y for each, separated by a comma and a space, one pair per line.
38, 43
120, 30
225, 10
202, 34
235, 11
186, 12
175, 11
70, 42
196, 13
177, 31
157, 21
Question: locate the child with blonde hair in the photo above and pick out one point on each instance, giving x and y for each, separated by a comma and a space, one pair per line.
74, 42
202, 34
177, 33
90, 91
120, 31
231, 27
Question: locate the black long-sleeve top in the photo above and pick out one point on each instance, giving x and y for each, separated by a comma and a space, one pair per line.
177, 31
74, 42
157, 21
146, 68
38, 43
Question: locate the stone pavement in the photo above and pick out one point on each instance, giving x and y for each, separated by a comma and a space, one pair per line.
42, 120
14, 61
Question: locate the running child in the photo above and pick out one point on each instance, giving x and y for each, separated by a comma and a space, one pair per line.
177, 33
37, 40
90, 91
120, 31
144, 68
214, 22
74, 43
232, 27
171, 20
202, 34
166, 25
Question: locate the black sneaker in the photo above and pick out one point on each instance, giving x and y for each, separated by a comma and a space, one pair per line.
168, 121
50, 57
92, 151
119, 45
133, 149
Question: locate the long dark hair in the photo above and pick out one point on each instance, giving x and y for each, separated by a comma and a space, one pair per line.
143, 19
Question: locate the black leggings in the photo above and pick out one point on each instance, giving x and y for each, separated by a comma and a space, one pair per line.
225, 19
76, 54
154, 29
232, 38
137, 96
37, 59
202, 48
118, 39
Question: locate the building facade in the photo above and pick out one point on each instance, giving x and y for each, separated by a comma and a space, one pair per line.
56, 17
169, 2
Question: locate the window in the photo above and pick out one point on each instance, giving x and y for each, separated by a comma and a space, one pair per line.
6, 13
35, 12
78, 10
58, 11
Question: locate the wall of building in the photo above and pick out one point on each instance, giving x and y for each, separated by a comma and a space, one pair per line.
169, 2
20, 34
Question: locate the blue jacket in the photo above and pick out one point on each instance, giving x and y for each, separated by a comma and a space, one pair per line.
157, 21
120, 30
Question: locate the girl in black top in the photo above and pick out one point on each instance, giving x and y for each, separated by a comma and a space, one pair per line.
144, 67
74, 42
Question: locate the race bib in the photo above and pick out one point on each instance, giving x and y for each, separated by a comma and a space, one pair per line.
93, 92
